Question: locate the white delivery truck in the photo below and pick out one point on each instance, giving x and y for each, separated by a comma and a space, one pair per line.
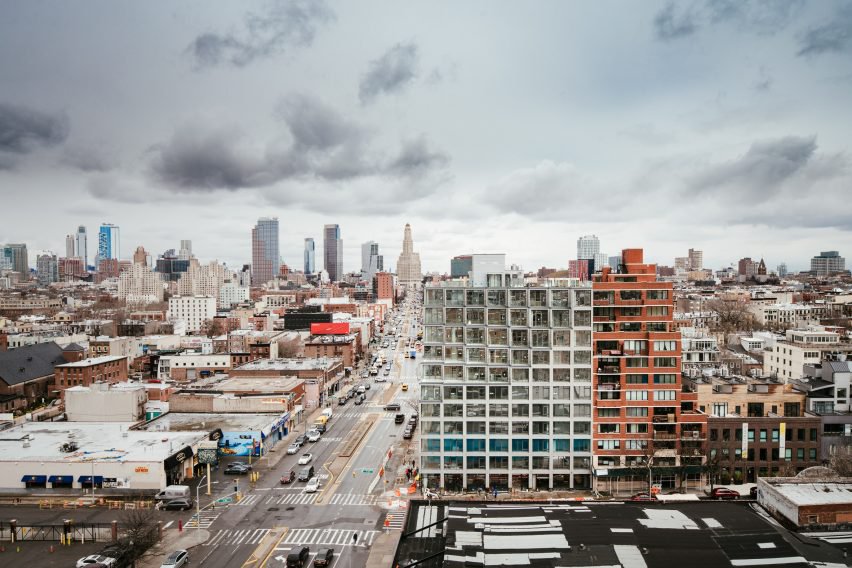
173, 492
328, 413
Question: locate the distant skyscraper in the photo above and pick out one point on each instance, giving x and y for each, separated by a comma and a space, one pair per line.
828, 262
140, 256
81, 250
371, 260
47, 269
69, 246
696, 259
614, 262
587, 247
601, 259
16, 257
333, 252
109, 242
408, 270
782, 270
461, 265
310, 256
185, 252
264, 250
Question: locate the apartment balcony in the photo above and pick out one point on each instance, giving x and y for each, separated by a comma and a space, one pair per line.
666, 436
693, 435
602, 302
603, 318
609, 369
664, 419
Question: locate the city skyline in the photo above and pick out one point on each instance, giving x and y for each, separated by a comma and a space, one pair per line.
640, 123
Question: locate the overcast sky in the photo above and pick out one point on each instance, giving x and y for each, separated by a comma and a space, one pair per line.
489, 126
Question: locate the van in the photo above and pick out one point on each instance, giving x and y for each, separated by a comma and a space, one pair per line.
299, 557
173, 492
328, 413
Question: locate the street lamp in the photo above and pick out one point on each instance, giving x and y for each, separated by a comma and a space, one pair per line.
198, 507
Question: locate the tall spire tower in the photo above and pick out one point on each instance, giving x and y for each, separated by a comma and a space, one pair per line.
408, 267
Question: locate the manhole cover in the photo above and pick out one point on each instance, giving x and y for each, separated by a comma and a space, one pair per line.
273, 509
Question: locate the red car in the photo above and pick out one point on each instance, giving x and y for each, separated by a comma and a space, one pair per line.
723, 493
643, 497
288, 477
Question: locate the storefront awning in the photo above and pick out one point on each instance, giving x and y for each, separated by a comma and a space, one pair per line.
61, 479
88, 479
34, 479
177, 459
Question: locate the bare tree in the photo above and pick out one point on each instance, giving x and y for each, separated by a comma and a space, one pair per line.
289, 348
731, 316
140, 533
841, 460
212, 327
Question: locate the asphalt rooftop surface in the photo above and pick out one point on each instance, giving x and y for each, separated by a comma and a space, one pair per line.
633, 535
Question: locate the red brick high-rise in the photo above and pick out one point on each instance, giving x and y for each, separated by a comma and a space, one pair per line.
641, 416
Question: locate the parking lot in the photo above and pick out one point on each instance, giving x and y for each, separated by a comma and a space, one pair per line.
38, 554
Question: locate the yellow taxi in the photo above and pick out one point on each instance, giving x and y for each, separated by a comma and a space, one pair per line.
404, 387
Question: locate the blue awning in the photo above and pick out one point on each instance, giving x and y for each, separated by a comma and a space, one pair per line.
88, 479
63, 479
34, 479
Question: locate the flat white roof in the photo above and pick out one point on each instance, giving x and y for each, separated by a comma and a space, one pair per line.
816, 493
94, 361
97, 442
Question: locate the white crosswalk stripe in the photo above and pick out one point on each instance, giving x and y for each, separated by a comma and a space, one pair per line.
352, 499
207, 518
324, 439
292, 499
334, 537
250, 499
396, 520
237, 537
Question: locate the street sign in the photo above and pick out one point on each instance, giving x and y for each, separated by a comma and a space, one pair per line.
223, 501
368, 470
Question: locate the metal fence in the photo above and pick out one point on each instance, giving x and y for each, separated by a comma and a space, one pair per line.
84, 532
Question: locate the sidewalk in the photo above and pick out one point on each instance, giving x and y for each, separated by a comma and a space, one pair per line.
383, 550
173, 539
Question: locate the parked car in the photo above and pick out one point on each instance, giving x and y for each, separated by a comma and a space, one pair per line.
95, 559
307, 473
177, 505
299, 557
293, 448
242, 463
313, 436
724, 493
306, 459
300, 439
288, 477
236, 469
643, 497
176, 559
324, 557
313, 485
407, 433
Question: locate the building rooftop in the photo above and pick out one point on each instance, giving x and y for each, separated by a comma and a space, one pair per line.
262, 385
31, 362
298, 364
205, 423
94, 361
97, 442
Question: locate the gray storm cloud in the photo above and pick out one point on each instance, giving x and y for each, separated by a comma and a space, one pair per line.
23, 130
678, 20
390, 73
833, 36
324, 146
291, 23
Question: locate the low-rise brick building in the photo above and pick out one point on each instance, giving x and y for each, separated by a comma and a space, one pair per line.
109, 369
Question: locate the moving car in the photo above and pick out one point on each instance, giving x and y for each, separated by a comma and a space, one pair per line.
367, 387
293, 448
176, 559
299, 557
288, 477
95, 559
306, 459
313, 485
324, 557
643, 497
306, 474
404, 387
724, 493
393, 406
407, 433
236, 469
313, 436
399, 418
177, 505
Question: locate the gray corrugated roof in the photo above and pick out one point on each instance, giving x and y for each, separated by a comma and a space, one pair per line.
74, 347
839, 366
27, 363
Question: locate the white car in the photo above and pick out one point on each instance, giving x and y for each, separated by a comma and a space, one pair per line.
313, 436
95, 559
293, 448
313, 485
306, 459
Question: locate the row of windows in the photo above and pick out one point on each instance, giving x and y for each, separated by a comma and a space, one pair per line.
514, 298
501, 374
517, 318
500, 336
765, 434
501, 462
503, 445
496, 392
763, 455
536, 428
502, 410
503, 356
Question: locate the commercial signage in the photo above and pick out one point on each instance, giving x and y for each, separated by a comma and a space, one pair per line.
177, 459
782, 440
744, 447
215, 435
208, 455
330, 328
239, 443
141, 469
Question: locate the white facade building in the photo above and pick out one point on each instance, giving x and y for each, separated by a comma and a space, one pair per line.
231, 294
138, 285
101, 402
506, 387
587, 247
786, 359
193, 310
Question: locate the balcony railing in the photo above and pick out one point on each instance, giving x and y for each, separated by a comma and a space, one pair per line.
664, 436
